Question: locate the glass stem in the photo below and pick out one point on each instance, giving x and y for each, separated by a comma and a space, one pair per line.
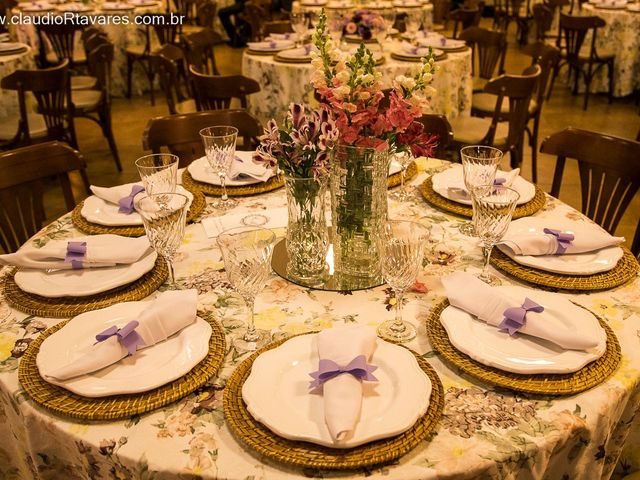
223, 183
251, 335
486, 251
172, 277
403, 173
398, 325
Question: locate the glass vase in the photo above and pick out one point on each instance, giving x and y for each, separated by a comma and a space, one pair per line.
307, 236
358, 212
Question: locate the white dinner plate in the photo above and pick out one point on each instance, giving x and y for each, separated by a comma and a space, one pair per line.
149, 368
99, 211
586, 263
11, 46
277, 393
85, 281
202, 172
271, 46
421, 52
523, 353
435, 42
454, 178
295, 53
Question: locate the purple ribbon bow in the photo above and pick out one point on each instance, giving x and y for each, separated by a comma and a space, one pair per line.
515, 317
499, 181
126, 203
127, 336
272, 44
307, 49
413, 50
564, 239
287, 36
328, 369
443, 41
76, 252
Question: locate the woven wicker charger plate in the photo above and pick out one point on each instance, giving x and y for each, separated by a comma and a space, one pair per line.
63, 307
64, 402
409, 58
587, 377
437, 200
625, 270
263, 441
84, 225
273, 183
394, 180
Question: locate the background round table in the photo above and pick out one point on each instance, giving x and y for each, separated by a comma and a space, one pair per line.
9, 64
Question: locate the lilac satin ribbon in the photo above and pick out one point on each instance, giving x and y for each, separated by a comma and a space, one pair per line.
328, 369
272, 44
76, 252
500, 181
515, 317
307, 49
443, 41
287, 36
413, 51
127, 336
564, 239
126, 203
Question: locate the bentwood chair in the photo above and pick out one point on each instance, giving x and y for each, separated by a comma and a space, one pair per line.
214, 92
489, 52
199, 50
440, 126
169, 63
609, 173
464, 18
25, 172
276, 26
180, 133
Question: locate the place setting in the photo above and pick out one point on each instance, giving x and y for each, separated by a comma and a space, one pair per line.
407, 52
295, 55
269, 47
12, 48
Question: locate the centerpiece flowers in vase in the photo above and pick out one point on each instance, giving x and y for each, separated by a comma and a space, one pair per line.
363, 23
371, 127
301, 149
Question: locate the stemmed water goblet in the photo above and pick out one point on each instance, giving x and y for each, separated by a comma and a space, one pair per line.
220, 148
401, 248
402, 194
300, 25
247, 260
335, 26
412, 23
164, 216
479, 166
158, 172
494, 207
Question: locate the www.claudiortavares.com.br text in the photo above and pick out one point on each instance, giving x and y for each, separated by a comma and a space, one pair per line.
100, 19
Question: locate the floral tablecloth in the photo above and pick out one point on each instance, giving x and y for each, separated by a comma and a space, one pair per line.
283, 83
484, 433
8, 65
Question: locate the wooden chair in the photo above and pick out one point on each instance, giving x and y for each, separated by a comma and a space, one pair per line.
276, 26
464, 18
503, 130
440, 12
180, 133
62, 40
609, 173
205, 14
489, 52
215, 92
439, 125
54, 120
169, 63
199, 50
542, 18
25, 171
255, 14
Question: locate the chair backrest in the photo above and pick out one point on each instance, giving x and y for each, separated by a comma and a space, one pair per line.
215, 92
161, 23
180, 133
186, 8
489, 48
543, 18
25, 170
90, 42
168, 62
548, 57
440, 11
61, 38
199, 50
609, 173
464, 18
100, 60
206, 12
255, 14
51, 89
574, 29
438, 125
276, 26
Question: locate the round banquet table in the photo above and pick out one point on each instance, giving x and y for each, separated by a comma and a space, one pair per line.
284, 83
9, 64
484, 432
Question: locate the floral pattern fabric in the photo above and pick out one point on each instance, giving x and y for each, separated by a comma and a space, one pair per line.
8, 65
485, 433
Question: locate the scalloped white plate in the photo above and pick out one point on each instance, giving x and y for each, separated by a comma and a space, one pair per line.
202, 172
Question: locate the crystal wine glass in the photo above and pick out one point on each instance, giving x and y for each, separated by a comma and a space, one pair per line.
158, 172
220, 148
300, 25
412, 23
335, 26
479, 166
401, 250
247, 259
402, 194
494, 206
164, 216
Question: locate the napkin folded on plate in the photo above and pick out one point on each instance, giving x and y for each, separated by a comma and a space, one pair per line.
122, 195
468, 293
243, 166
459, 191
272, 218
100, 251
341, 347
169, 313
271, 45
553, 241
282, 36
408, 49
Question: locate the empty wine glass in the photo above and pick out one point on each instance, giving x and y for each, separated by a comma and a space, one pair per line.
494, 206
247, 259
300, 25
220, 148
412, 23
479, 166
402, 194
401, 250
335, 26
164, 216
158, 172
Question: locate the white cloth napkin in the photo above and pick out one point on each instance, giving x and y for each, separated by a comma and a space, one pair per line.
169, 313
275, 218
547, 244
468, 293
282, 36
102, 251
113, 194
271, 45
342, 395
458, 190
408, 49
244, 166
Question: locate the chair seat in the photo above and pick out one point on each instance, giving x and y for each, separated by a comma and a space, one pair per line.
188, 106
83, 82
79, 57
603, 54
472, 130
9, 126
187, 29
438, 27
136, 50
486, 102
479, 83
86, 99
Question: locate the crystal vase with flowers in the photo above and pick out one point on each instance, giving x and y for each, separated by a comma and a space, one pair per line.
370, 131
365, 24
300, 148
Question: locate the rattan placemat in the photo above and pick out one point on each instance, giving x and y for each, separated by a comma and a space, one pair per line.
263, 441
394, 180
587, 377
64, 402
437, 200
85, 226
62, 307
273, 183
281, 59
411, 58
625, 270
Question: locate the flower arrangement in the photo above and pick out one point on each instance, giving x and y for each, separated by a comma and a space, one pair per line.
364, 23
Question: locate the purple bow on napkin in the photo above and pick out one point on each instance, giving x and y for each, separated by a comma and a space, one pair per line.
307, 49
127, 336
515, 317
443, 41
272, 44
564, 239
328, 369
76, 252
499, 181
126, 203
